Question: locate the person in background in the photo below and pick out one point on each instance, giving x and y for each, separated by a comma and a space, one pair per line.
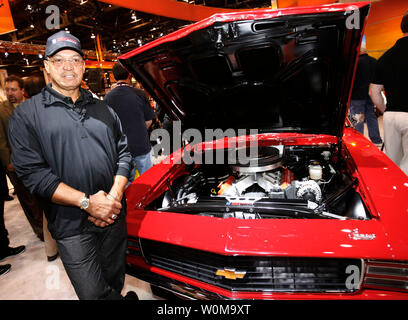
32, 86
391, 76
4, 241
3, 185
15, 95
361, 104
78, 163
136, 115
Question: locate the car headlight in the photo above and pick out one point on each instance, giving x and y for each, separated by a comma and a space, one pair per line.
386, 275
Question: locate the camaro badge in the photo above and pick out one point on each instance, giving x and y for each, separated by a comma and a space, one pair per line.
231, 274
356, 235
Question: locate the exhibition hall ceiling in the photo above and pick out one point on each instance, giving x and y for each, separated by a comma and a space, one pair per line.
119, 29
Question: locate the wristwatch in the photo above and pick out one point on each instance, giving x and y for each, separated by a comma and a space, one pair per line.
84, 203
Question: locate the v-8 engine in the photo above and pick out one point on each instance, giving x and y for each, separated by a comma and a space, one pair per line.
275, 172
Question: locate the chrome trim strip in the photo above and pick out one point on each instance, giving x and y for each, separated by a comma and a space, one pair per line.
141, 250
387, 262
387, 271
362, 274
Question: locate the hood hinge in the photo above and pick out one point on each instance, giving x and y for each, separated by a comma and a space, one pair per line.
339, 146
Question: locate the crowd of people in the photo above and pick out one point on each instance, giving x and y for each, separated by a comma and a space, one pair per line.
380, 89
70, 155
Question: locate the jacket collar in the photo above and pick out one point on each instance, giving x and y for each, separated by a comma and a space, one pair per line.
50, 96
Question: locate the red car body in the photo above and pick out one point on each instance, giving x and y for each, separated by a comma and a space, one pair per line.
377, 243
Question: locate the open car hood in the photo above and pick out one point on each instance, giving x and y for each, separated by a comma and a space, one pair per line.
286, 70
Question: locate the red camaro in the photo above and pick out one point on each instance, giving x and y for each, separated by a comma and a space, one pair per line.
272, 196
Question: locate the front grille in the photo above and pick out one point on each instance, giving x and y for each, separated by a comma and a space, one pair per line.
280, 274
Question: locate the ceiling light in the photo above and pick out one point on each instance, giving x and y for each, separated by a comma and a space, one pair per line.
6, 54
32, 26
93, 36
40, 56
134, 18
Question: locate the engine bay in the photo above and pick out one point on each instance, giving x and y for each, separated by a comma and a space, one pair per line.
273, 182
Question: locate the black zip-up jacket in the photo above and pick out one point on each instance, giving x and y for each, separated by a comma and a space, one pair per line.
81, 144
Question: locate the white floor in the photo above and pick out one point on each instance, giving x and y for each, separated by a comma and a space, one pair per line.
32, 277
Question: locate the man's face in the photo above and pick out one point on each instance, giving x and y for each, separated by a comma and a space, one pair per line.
14, 93
66, 69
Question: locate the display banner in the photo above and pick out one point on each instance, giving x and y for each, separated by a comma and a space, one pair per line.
6, 20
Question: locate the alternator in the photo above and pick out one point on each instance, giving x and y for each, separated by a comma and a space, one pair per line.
308, 190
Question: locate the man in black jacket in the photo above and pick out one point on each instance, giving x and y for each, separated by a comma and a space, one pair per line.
136, 115
361, 104
69, 149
